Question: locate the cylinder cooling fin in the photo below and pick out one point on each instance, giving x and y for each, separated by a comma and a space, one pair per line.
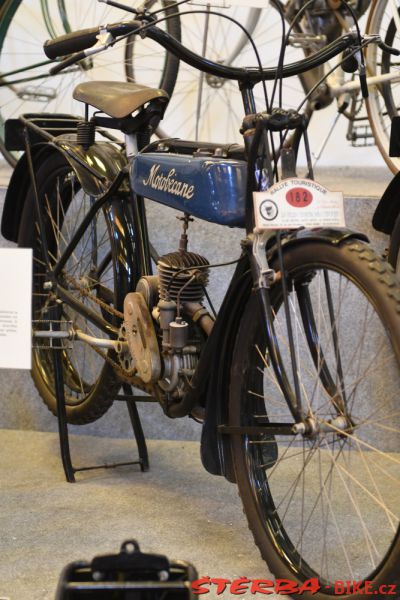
188, 284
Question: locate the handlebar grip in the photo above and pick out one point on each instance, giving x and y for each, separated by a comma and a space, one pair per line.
71, 60
71, 42
85, 38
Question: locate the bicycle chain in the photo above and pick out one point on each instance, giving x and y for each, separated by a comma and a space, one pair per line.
85, 292
128, 375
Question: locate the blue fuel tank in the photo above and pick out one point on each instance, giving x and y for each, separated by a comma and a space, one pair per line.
207, 187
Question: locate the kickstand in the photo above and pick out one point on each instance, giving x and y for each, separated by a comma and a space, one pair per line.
127, 396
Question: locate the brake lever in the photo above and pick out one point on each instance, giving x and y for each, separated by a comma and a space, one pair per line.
104, 40
362, 69
388, 49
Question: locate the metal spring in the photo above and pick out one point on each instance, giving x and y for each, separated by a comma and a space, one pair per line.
86, 133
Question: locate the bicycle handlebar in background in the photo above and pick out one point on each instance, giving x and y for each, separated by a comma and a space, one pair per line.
79, 40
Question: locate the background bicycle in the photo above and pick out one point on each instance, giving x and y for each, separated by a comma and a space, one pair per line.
26, 86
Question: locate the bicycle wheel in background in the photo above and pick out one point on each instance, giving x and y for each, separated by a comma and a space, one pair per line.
324, 505
209, 108
90, 276
26, 24
384, 100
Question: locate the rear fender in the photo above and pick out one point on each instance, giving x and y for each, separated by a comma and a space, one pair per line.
17, 191
105, 161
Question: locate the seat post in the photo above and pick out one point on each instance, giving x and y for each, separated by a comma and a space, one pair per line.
131, 144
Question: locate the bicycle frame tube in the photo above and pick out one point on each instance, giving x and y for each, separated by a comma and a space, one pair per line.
354, 86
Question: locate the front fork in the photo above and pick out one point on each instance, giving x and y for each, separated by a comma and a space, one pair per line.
264, 278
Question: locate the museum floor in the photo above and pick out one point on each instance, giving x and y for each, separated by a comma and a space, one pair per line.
176, 508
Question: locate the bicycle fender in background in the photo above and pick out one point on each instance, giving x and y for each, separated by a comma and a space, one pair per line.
388, 208
211, 381
104, 159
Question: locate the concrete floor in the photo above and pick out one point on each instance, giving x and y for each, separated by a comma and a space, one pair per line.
176, 508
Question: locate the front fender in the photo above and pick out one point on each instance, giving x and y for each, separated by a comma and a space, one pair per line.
105, 161
211, 382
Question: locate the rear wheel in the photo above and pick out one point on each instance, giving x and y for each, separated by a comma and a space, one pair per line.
324, 505
90, 276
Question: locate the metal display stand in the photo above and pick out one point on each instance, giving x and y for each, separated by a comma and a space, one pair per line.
127, 397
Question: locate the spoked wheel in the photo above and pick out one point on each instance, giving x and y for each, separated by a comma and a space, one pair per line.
90, 277
25, 84
323, 504
208, 108
384, 100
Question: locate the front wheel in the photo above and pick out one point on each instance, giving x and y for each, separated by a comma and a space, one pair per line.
324, 505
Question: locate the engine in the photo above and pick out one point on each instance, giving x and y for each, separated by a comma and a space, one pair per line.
183, 277
166, 324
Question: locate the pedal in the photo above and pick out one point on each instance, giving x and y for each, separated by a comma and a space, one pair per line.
361, 136
47, 331
306, 40
34, 94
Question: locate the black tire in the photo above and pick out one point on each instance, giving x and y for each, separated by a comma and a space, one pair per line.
305, 509
394, 247
33, 90
90, 382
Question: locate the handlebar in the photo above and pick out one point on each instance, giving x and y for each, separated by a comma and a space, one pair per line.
87, 41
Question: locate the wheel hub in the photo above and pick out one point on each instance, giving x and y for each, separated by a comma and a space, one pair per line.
313, 427
214, 82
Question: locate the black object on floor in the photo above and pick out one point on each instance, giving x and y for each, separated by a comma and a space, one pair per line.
129, 575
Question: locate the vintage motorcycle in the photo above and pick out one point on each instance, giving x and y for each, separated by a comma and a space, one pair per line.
295, 381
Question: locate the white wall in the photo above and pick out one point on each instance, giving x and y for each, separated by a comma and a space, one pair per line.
221, 107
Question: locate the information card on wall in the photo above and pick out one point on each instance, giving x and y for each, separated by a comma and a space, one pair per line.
15, 308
